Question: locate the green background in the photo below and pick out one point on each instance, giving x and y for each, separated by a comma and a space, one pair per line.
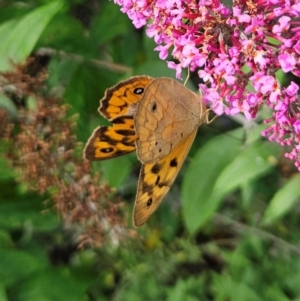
227, 230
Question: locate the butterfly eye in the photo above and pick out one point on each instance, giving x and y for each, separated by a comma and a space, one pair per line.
138, 91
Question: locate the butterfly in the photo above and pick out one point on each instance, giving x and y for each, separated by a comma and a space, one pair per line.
156, 117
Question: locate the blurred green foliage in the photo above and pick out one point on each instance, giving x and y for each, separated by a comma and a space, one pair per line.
228, 229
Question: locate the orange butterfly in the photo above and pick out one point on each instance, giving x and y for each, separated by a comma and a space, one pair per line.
158, 118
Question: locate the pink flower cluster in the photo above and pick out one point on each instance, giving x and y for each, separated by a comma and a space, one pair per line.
237, 51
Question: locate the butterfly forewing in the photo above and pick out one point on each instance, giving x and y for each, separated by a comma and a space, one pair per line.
156, 179
167, 113
121, 99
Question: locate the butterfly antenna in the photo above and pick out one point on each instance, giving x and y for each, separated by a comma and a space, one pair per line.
207, 117
187, 77
212, 120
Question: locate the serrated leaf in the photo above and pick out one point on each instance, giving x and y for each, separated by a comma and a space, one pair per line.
203, 172
19, 37
283, 201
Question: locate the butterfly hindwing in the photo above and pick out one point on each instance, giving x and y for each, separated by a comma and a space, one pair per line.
156, 180
111, 141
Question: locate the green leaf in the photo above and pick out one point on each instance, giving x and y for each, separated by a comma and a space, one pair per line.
155, 68
15, 265
178, 292
3, 296
8, 105
83, 93
36, 288
203, 172
283, 201
251, 163
7, 173
227, 288
18, 210
105, 27
18, 37
64, 32
116, 171
130, 44
275, 293
5, 241
254, 133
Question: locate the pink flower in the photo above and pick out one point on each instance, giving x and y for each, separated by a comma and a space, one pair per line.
177, 67
237, 50
292, 89
296, 126
287, 62
163, 51
284, 24
297, 47
261, 59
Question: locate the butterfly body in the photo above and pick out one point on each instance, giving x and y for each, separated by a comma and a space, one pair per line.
159, 119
